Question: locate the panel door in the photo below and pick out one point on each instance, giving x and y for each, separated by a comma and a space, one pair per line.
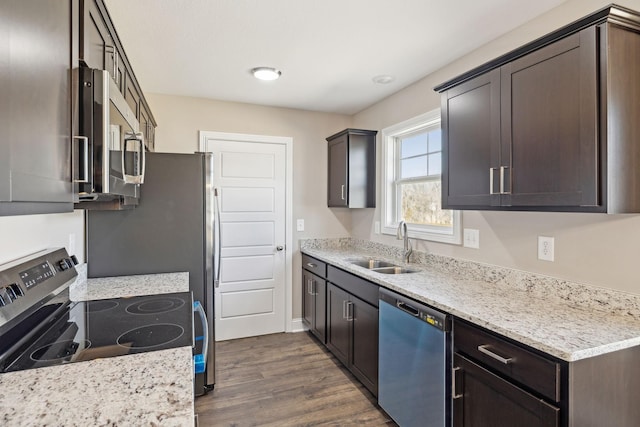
485, 400
338, 325
364, 354
549, 125
97, 49
250, 178
471, 143
338, 191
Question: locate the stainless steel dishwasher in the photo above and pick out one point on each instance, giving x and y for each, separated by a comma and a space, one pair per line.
414, 362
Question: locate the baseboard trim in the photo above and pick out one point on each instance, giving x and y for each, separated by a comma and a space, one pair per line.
297, 325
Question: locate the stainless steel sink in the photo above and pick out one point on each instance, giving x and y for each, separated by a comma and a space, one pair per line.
394, 270
373, 264
383, 267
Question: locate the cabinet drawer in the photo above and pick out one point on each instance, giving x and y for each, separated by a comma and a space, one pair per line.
363, 289
529, 369
318, 268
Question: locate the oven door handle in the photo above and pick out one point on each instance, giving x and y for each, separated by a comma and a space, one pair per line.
200, 360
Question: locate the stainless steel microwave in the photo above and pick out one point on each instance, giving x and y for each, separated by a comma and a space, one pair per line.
109, 148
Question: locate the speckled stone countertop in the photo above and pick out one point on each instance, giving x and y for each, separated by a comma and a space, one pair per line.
567, 320
144, 389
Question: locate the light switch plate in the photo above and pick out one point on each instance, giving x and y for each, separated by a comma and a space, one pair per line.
471, 238
300, 225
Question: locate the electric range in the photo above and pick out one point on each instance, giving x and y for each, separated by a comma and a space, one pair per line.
40, 326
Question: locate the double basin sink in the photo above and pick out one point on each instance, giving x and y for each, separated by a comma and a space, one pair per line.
383, 267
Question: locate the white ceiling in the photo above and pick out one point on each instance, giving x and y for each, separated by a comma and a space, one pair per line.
328, 50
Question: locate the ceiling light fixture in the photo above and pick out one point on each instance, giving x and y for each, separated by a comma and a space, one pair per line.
383, 79
266, 73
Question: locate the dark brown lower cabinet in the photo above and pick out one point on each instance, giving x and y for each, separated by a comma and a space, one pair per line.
314, 297
352, 334
483, 399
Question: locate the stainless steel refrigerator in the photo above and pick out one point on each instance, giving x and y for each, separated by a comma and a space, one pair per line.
172, 229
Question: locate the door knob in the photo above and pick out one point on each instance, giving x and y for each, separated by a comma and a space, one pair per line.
279, 248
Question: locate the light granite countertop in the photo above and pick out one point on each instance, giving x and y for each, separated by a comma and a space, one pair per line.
144, 389
567, 320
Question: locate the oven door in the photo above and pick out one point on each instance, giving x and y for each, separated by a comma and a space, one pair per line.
111, 149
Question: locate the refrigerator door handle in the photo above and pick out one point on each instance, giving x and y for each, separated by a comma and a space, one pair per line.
218, 237
200, 360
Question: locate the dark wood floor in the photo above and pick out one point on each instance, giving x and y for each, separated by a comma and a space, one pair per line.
284, 380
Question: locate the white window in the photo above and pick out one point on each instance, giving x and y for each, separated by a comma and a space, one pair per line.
412, 159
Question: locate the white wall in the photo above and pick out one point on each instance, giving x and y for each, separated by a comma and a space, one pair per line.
180, 118
597, 249
24, 235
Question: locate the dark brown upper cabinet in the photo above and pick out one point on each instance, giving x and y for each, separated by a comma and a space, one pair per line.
352, 169
552, 126
35, 107
99, 47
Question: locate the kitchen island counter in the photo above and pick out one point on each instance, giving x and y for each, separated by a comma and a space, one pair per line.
567, 320
152, 388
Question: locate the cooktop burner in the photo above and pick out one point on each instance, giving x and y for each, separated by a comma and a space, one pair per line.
105, 328
155, 305
150, 336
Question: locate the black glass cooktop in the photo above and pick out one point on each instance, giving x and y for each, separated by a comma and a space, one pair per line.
113, 327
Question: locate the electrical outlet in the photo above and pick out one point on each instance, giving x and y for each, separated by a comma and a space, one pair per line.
471, 238
545, 248
300, 225
376, 227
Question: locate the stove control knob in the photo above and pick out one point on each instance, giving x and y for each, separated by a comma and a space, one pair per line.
74, 259
63, 264
2, 302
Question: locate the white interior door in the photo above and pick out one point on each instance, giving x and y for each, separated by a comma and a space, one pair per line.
251, 182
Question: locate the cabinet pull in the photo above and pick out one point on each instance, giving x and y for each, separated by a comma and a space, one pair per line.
502, 168
314, 287
349, 311
491, 180
454, 382
311, 265
344, 309
342, 192
309, 290
84, 178
485, 350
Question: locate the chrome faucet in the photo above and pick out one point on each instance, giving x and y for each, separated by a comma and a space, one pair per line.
403, 235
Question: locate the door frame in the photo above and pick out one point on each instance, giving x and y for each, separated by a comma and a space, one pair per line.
204, 137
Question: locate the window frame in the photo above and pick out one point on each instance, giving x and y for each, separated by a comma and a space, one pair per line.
390, 162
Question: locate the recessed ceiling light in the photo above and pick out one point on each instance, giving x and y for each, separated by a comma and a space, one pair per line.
383, 79
266, 73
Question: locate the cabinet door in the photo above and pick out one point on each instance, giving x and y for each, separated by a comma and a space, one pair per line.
471, 143
550, 125
132, 97
146, 127
338, 173
35, 76
97, 49
482, 399
364, 350
320, 308
307, 299
338, 324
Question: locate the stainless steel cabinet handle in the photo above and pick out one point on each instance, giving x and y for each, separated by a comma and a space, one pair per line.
491, 180
84, 178
342, 192
344, 309
502, 168
485, 350
311, 265
349, 311
454, 389
314, 287
309, 285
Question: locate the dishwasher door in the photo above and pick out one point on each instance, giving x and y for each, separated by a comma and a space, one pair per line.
414, 362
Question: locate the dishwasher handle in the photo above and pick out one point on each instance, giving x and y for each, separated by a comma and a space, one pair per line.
407, 308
